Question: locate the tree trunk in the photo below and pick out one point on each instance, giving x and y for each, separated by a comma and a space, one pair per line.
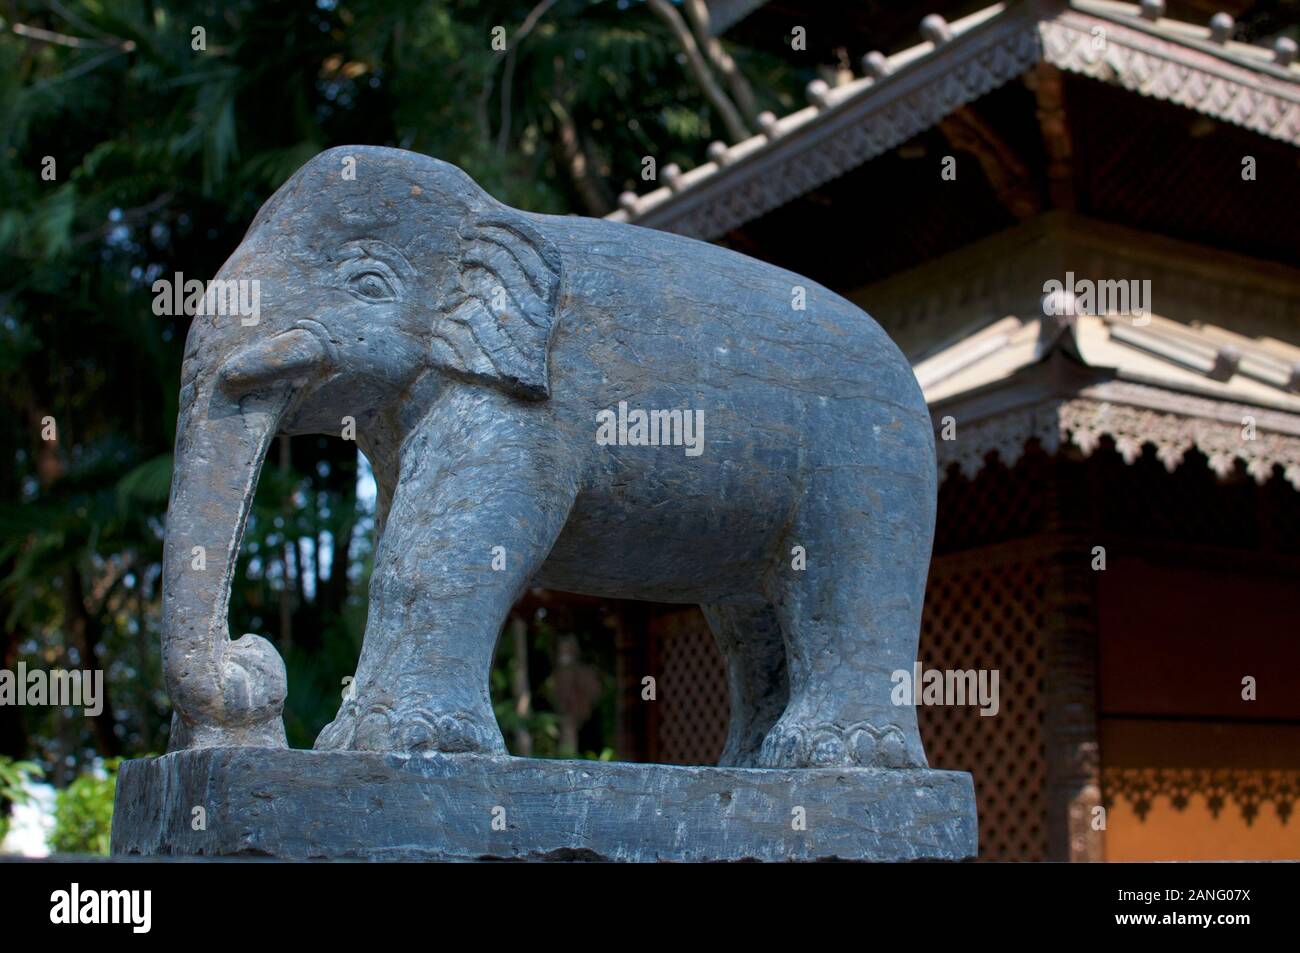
13, 734
520, 689
576, 689
82, 628
286, 595
573, 160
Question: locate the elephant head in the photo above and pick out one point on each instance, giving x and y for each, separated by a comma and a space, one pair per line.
380, 273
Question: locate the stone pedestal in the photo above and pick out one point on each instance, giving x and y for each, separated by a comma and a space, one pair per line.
352, 805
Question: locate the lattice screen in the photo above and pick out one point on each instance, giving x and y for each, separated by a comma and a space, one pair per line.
693, 706
1000, 504
979, 614
982, 614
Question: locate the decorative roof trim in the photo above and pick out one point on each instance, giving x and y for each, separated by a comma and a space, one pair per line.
1258, 96
1004, 435
1218, 430
914, 89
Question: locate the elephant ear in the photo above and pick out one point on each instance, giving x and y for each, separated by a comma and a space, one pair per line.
498, 319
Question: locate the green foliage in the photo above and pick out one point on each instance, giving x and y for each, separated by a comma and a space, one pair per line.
14, 775
83, 813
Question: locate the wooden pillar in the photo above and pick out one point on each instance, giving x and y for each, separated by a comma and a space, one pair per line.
636, 731
1070, 682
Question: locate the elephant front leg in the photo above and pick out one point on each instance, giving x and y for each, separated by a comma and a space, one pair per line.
459, 548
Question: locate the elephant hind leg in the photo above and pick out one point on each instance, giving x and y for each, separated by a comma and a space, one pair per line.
852, 617
749, 638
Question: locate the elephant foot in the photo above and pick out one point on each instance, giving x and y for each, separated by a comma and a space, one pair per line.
337, 735
410, 730
795, 744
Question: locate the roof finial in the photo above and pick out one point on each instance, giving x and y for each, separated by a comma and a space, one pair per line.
717, 153
1152, 9
1060, 307
935, 29
875, 64
1226, 361
817, 92
672, 174
627, 202
1221, 25
767, 122
1284, 50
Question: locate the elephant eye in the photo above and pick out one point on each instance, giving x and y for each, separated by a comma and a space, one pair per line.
371, 286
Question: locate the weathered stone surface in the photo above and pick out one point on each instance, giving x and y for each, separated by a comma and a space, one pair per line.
481, 356
340, 805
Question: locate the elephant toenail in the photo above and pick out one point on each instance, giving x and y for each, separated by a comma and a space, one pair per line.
372, 732
826, 748
416, 736
450, 736
864, 746
893, 749
792, 747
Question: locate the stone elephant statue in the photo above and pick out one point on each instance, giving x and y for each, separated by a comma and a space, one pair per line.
562, 402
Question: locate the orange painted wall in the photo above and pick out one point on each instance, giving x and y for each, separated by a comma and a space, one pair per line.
1190, 770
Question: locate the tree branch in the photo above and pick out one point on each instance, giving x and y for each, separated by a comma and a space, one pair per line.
700, 69
128, 216
572, 156
76, 42
530, 21
698, 14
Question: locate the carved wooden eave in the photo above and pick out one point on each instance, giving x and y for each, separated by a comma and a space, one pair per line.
997, 366
1002, 422
913, 90
1177, 63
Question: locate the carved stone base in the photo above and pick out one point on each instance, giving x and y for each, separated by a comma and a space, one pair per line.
351, 805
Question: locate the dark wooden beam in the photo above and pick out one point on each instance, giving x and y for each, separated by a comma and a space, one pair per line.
1007, 173
1045, 83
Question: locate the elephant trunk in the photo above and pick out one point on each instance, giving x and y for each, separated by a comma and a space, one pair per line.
224, 693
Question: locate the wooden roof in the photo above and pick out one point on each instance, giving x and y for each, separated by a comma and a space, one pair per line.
1010, 360
1133, 47
1201, 358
